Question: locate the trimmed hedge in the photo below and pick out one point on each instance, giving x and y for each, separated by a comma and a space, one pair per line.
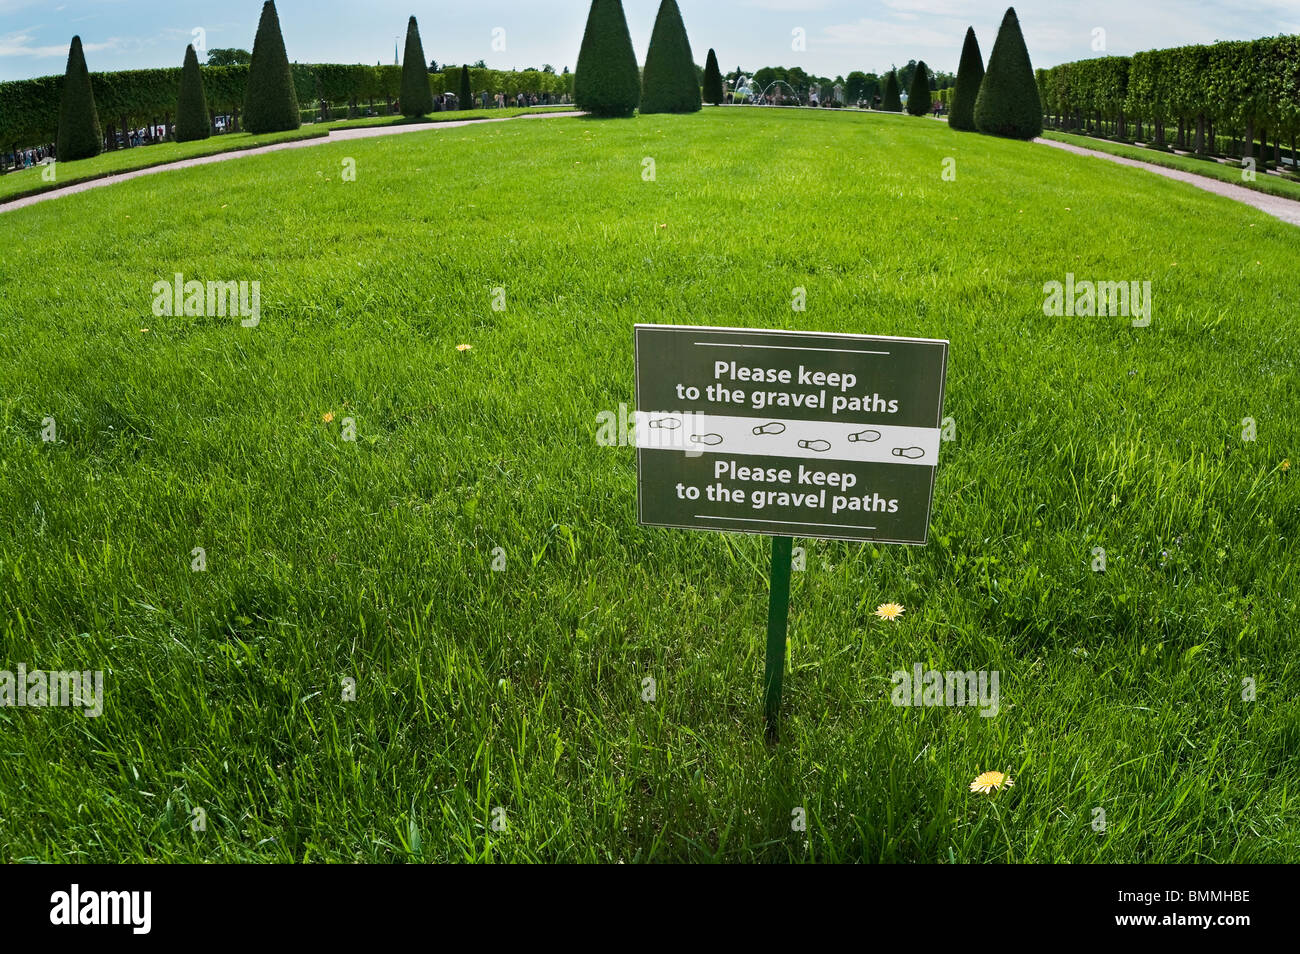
465, 94
713, 91
918, 97
79, 133
1247, 89
1008, 103
607, 81
893, 99
129, 99
417, 96
270, 101
192, 121
970, 74
669, 83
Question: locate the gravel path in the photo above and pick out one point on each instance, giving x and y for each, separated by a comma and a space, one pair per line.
1288, 210
338, 135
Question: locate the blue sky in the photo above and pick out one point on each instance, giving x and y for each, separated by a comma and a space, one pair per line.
840, 35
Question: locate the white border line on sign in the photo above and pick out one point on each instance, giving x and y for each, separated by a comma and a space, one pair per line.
799, 523
786, 331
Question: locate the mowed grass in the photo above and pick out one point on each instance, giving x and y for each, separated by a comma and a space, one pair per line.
522, 690
25, 182
449, 116
1284, 185
28, 181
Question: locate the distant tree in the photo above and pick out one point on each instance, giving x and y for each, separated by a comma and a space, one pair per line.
799, 80
192, 120
669, 83
713, 92
860, 86
270, 100
548, 68
918, 97
229, 56
905, 75
464, 100
970, 74
606, 81
416, 95
1008, 103
893, 101
79, 135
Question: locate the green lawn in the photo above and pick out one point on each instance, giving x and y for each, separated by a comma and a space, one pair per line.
522, 689
1285, 186
28, 181
451, 116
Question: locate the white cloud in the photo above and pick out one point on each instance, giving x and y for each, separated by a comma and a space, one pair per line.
789, 6
870, 33
21, 44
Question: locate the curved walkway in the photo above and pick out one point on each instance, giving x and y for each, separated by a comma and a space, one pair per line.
1288, 210
335, 135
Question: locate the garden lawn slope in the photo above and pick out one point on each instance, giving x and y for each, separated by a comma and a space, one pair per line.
522, 689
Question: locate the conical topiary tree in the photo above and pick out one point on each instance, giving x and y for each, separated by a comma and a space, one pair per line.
79, 134
669, 83
192, 121
713, 92
970, 74
417, 96
466, 94
270, 100
893, 100
918, 97
606, 81
1008, 103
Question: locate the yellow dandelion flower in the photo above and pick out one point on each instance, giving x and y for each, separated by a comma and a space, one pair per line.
463, 347
890, 611
327, 417
990, 781
1286, 465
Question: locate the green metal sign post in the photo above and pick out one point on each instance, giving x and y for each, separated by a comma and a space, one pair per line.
787, 433
778, 613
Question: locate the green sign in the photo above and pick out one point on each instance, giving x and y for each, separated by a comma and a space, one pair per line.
788, 433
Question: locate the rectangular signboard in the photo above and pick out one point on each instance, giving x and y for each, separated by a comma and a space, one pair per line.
788, 433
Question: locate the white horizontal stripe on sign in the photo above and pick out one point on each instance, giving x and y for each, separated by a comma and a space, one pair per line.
780, 437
